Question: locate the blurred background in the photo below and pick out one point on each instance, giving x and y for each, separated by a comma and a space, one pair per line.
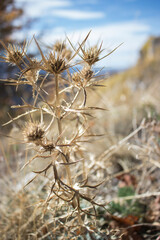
131, 22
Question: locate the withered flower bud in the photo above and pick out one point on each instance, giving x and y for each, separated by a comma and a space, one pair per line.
91, 55
76, 77
33, 132
49, 146
87, 73
14, 54
59, 46
56, 64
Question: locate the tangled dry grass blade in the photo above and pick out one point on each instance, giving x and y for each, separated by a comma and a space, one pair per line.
64, 156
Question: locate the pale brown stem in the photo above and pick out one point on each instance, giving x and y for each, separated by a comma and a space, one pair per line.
58, 115
58, 111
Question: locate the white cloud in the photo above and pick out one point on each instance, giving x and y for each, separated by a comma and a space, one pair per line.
56, 8
50, 3
77, 14
39, 8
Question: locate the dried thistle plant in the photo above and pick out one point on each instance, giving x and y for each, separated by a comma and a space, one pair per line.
59, 146
14, 53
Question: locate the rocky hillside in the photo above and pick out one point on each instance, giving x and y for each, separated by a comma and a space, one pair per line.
147, 69
133, 94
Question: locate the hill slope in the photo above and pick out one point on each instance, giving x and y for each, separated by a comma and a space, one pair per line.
133, 94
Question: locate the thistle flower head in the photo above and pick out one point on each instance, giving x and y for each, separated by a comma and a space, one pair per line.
91, 55
59, 46
49, 146
61, 49
83, 77
33, 63
87, 73
56, 63
33, 132
14, 53
76, 77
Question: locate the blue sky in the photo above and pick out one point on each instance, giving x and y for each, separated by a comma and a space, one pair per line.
111, 21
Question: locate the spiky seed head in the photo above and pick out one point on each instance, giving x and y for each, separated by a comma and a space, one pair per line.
49, 146
59, 46
33, 132
77, 78
14, 54
87, 73
34, 64
57, 64
91, 55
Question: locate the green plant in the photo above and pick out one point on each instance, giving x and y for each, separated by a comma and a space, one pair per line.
128, 207
57, 149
